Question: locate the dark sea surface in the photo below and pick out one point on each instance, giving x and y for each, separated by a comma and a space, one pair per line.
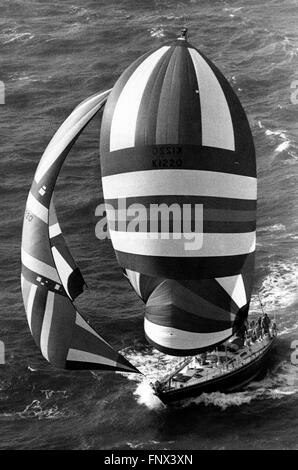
54, 55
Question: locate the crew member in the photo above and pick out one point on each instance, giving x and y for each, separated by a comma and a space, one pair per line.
265, 324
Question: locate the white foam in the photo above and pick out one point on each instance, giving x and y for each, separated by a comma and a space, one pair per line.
220, 400
36, 410
273, 228
278, 132
157, 32
283, 146
279, 287
12, 36
145, 396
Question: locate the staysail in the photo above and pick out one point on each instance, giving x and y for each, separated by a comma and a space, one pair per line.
50, 278
174, 134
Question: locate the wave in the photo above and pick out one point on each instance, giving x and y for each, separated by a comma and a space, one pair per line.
47, 406
140, 445
11, 35
157, 32
283, 146
44, 408
233, 9
279, 288
36, 410
273, 228
282, 141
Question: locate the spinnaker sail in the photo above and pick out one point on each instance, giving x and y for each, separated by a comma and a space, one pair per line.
50, 278
175, 134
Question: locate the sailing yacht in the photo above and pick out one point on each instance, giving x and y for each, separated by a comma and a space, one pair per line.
173, 135
223, 369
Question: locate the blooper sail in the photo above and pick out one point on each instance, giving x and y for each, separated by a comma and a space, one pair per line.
175, 134
50, 278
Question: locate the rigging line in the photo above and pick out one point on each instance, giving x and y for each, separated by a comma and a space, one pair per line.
182, 6
262, 307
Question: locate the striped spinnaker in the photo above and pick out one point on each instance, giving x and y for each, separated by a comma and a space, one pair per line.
174, 132
50, 278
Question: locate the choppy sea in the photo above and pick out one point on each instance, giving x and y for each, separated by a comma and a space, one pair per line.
54, 55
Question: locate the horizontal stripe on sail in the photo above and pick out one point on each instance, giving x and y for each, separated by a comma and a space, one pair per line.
229, 215
217, 127
228, 227
187, 268
216, 204
196, 245
39, 267
176, 182
173, 338
177, 221
186, 211
38, 209
182, 157
124, 121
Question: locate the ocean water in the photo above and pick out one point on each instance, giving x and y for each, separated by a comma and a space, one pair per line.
54, 55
